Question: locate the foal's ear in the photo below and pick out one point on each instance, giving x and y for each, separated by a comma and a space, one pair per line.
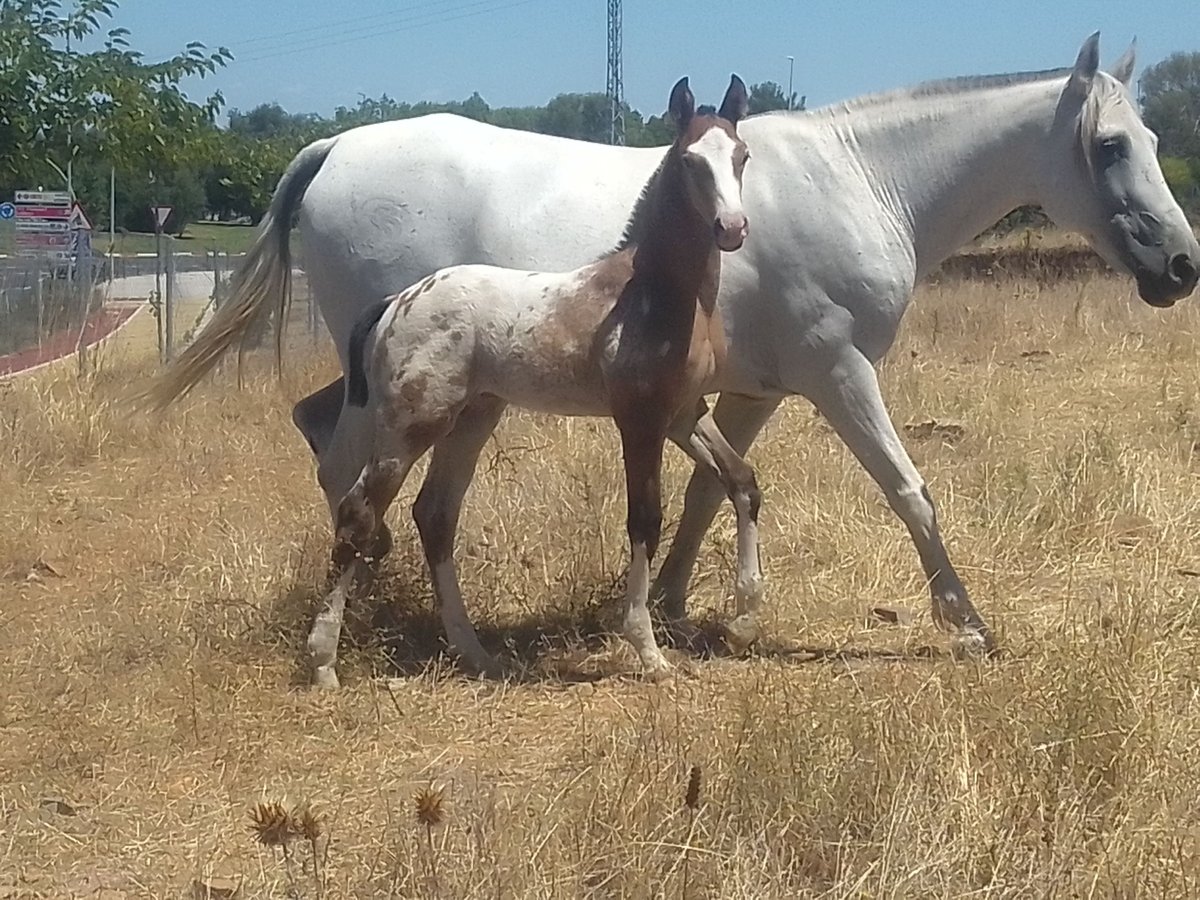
736, 103
1122, 69
682, 105
1086, 66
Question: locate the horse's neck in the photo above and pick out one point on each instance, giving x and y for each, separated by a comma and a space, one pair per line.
676, 255
948, 165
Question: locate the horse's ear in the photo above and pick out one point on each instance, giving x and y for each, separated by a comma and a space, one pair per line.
736, 103
682, 105
1122, 69
1086, 66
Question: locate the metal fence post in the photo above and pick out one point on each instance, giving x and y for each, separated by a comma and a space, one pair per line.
37, 298
169, 304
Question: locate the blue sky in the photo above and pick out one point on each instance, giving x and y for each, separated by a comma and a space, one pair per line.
312, 56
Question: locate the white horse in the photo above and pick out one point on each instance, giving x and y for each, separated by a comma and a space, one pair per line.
852, 206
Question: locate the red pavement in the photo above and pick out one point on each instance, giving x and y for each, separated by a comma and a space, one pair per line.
62, 343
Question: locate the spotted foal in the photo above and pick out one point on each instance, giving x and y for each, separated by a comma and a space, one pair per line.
634, 335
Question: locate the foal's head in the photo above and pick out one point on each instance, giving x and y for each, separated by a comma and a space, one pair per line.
712, 158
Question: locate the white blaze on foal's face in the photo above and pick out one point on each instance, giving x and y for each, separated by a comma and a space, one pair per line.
713, 166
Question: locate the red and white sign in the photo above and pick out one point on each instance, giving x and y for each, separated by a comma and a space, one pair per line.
160, 215
42, 212
78, 219
42, 223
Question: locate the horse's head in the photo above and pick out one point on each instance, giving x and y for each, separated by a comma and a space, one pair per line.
1103, 180
712, 158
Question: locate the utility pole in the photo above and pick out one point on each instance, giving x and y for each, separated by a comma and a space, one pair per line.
613, 88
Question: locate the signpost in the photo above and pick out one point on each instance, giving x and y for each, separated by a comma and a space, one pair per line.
166, 315
43, 226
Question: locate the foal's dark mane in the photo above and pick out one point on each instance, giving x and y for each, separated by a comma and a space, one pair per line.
635, 226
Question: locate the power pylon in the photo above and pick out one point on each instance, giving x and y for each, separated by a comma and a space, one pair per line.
614, 88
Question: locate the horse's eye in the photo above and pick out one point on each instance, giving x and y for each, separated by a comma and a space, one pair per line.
1112, 149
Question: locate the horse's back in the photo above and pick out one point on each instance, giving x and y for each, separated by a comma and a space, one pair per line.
396, 201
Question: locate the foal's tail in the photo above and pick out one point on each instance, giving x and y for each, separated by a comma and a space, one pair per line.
263, 281
356, 369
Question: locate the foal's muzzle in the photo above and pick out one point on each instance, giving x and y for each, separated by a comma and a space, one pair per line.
731, 232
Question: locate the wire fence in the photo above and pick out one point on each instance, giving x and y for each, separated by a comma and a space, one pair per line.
154, 303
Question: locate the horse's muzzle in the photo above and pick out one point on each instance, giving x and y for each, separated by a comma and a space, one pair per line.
1166, 286
731, 234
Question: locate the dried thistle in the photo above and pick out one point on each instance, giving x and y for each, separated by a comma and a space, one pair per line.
429, 802
271, 825
306, 823
691, 797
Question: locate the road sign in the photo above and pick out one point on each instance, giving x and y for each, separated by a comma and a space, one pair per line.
43, 198
78, 220
41, 219
7, 210
160, 215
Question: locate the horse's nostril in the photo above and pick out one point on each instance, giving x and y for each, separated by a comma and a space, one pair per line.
1183, 269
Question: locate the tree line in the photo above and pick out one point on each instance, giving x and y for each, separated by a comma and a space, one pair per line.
77, 102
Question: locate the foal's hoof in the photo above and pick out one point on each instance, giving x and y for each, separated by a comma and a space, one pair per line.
325, 678
974, 644
686, 636
741, 634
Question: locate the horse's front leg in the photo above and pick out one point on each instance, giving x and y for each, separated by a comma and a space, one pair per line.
642, 442
698, 435
850, 399
739, 418
327, 625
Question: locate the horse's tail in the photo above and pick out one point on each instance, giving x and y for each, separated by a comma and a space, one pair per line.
356, 369
262, 281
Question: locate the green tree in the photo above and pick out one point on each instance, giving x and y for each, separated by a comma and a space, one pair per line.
61, 103
587, 117
270, 120
767, 95
1171, 104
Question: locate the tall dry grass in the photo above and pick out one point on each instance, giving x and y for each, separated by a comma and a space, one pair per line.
159, 576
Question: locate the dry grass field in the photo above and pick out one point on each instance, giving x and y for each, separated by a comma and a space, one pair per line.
159, 576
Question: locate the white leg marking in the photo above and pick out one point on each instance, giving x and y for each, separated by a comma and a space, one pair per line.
638, 629
327, 629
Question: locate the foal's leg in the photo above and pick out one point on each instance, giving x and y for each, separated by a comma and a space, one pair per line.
705, 443
851, 401
436, 513
642, 442
356, 522
740, 419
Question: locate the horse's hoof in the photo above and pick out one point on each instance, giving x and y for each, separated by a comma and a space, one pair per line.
325, 678
485, 667
659, 672
741, 633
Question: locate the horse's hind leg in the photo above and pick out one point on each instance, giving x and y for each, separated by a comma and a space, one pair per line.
436, 512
